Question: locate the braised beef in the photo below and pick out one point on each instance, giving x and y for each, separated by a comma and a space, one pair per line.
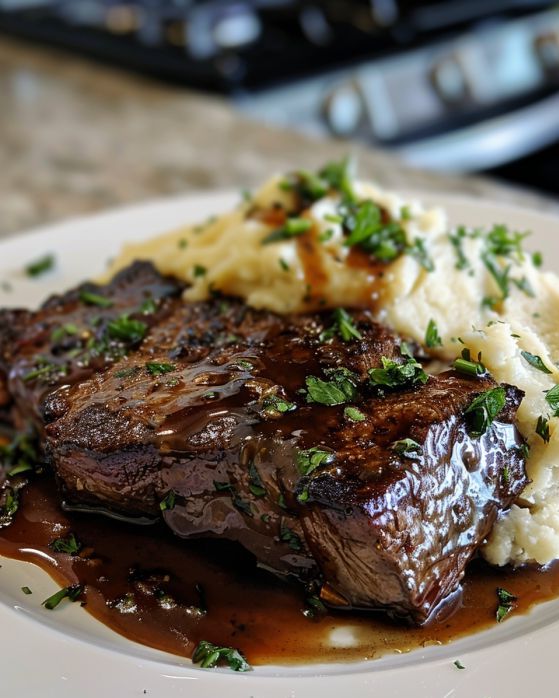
206, 421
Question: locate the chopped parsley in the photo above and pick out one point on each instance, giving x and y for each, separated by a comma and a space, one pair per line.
552, 399
308, 460
40, 266
458, 664
483, 410
504, 243
148, 307
406, 447
26, 590
456, 239
223, 486
183, 244
395, 374
198, 271
326, 235
468, 367
90, 298
9, 506
157, 368
405, 213
338, 177
432, 337
343, 326
293, 227
500, 275
168, 502
354, 414
537, 259
535, 361
208, 656
255, 483
340, 387
283, 264
69, 545
242, 505
45, 370
274, 405
506, 603
290, 537
127, 330
314, 607
542, 428
66, 330
364, 221
72, 593
419, 252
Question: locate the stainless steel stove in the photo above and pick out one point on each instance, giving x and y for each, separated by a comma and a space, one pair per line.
461, 85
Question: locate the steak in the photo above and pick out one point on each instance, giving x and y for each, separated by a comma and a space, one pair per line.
75, 335
269, 431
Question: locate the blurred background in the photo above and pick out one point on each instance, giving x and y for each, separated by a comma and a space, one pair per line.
451, 86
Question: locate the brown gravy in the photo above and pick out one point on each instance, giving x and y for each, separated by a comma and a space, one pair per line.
157, 604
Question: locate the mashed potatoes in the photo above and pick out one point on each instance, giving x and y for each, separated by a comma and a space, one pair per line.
478, 287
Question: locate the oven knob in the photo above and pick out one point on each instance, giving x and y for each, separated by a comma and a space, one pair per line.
448, 78
343, 109
546, 47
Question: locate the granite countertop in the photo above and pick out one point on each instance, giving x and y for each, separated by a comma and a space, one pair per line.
78, 137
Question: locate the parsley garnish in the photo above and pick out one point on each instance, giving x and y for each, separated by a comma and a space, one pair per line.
290, 537
223, 486
67, 330
157, 368
283, 264
552, 399
535, 361
69, 545
458, 664
148, 307
384, 241
542, 428
456, 240
293, 227
126, 329
198, 271
314, 607
90, 298
419, 252
72, 593
504, 243
26, 590
308, 460
274, 405
339, 388
483, 409
468, 367
394, 374
242, 505
500, 275
432, 337
406, 447
506, 603
338, 177
354, 414
208, 656
256, 485
10, 506
40, 266
537, 259
168, 502
342, 325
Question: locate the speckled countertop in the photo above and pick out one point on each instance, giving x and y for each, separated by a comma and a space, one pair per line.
77, 137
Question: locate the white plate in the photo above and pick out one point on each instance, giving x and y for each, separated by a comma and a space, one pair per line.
68, 653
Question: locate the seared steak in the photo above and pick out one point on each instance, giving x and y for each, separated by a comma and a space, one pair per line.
379, 492
76, 334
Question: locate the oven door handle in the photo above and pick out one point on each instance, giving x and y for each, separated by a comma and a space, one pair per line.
490, 143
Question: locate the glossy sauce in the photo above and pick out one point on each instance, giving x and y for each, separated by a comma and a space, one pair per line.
148, 586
